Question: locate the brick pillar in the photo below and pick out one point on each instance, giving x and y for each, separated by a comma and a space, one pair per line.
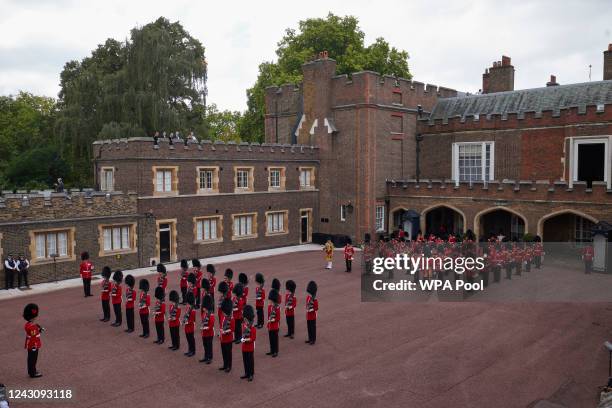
607, 66
499, 77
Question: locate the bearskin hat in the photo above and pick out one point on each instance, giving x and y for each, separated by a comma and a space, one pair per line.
274, 296
312, 288
243, 278
184, 264
276, 284
173, 296
349, 241
229, 274
161, 268
30, 311
159, 293
189, 298
106, 272
227, 306
248, 313
259, 278
238, 289
290, 286
191, 278
84, 256
130, 281
144, 285
210, 268
205, 284
196, 263
118, 276
208, 303
223, 287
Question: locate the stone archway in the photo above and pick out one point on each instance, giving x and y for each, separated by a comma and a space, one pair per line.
566, 225
443, 219
500, 221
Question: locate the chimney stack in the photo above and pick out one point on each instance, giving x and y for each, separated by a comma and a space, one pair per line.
499, 77
607, 74
553, 81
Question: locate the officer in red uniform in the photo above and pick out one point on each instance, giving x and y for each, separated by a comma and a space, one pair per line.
273, 321
207, 326
105, 290
290, 304
130, 299
205, 287
229, 275
189, 322
587, 257
224, 293
349, 253
249, 335
159, 314
86, 269
260, 298
116, 291
183, 281
162, 279
174, 320
244, 279
226, 333
197, 269
210, 269
144, 302
312, 306
32, 341
237, 306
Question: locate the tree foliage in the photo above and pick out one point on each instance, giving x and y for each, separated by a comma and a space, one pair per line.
223, 125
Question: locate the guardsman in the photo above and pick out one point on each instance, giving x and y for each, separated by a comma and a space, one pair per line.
226, 333
144, 302
183, 282
85, 270
349, 254
192, 285
229, 275
276, 285
210, 269
312, 307
105, 290
162, 279
205, 286
290, 304
249, 335
224, 293
116, 291
538, 252
587, 257
207, 326
329, 254
130, 299
244, 279
273, 321
237, 306
189, 318
197, 270
159, 314
174, 320
260, 299
32, 342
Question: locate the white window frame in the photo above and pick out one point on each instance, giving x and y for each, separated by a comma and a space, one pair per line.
206, 179
455, 171
379, 218
48, 243
208, 229
166, 180
247, 174
306, 181
342, 212
276, 222
105, 184
275, 182
577, 141
244, 226
117, 238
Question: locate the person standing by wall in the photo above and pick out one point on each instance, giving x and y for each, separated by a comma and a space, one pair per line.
23, 266
10, 269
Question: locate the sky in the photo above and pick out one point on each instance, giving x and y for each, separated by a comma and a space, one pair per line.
450, 42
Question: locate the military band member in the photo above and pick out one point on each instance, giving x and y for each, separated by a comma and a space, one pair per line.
32, 341
205, 287
159, 314
229, 275
349, 254
183, 282
162, 279
587, 257
86, 269
312, 306
210, 269
207, 326
226, 333
105, 289
174, 320
130, 299
237, 306
329, 253
116, 291
192, 284
290, 304
197, 269
224, 293
144, 301
244, 279
189, 322
249, 335
276, 285
273, 321
260, 298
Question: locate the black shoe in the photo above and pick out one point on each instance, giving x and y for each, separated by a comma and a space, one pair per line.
141, 335
250, 378
227, 370
128, 330
307, 341
37, 375
275, 355
222, 368
203, 360
171, 347
312, 343
242, 377
103, 320
287, 335
291, 337
269, 353
208, 361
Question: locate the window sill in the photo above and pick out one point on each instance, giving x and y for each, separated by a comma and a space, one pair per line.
47, 261
241, 237
307, 188
208, 192
276, 189
165, 194
273, 234
118, 252
241, 190
208, 241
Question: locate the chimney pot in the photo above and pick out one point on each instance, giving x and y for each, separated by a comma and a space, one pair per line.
553, 81
609, 47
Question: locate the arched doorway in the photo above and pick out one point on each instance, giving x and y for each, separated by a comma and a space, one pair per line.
408, 220
502, 222
443, 220
567, 226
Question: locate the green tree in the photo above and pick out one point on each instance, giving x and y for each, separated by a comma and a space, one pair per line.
39, 167
222, 125
342, 38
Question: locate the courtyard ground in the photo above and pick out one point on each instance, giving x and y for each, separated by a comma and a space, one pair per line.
388, 354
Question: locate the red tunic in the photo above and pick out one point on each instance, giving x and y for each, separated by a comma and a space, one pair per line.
207, 324
237, 309
86, 269
174, 315
190, 324
587, 253
105, 286
160, 311
116, 294
312, 306
144, 303
198, 274
227, 325
213, 285
245, 294
260, 297
273, 317
184, 274
32, 341
162, 281
290, 304
130, 298
248, 341
349, 252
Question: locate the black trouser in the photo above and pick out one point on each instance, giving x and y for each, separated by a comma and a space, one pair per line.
197, 298
190, 342
312, 330
22, 275
87, 286
538, 262
260, 316
273, 334
207, 342
174, 336
159, 328
118, 314
528, 266
144, 320
290, 325
519, 267
9, 279
588, 266
32, 358
249, 363
496, 273
184, 294
238, 330
226, 351
368, 267
509, 271
349, 264
129, 317
106, 309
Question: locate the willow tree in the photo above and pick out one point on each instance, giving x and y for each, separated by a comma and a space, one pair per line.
153, 81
